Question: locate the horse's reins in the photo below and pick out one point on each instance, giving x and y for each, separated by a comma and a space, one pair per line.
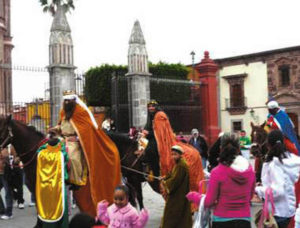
9, 136
139, 172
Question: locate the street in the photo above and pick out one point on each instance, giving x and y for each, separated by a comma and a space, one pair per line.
26, 218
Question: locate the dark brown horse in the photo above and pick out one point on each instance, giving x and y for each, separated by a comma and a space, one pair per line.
26, 141
259, 147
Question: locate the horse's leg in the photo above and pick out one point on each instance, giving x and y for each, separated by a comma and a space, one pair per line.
139, 194
132, 191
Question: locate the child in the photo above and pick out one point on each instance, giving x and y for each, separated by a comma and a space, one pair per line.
177, 212
121, 213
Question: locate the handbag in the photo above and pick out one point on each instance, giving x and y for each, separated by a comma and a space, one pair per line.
265, 218
203, 216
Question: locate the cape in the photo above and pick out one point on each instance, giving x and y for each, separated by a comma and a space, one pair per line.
103, 162
165, 140
286, 126
50, 182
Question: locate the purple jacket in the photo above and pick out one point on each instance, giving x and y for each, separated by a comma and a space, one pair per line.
122, 217
231, 189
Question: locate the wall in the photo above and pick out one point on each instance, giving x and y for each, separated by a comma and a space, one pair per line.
255, 91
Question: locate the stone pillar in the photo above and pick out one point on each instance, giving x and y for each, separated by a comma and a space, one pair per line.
138, 78
61, 68
207, 69
139, 95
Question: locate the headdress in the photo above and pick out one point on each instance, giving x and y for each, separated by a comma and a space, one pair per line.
70, 95
273, 104
178, 149
152, 102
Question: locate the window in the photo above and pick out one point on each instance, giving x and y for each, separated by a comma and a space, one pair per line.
284, 74
237, 96
236, 126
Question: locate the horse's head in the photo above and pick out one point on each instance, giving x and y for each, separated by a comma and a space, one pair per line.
5, 131
258, 138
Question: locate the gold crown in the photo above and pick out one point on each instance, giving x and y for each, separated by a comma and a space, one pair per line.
69, 92
152, 102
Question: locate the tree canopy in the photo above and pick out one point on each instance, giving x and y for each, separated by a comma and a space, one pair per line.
98, 83
51, 5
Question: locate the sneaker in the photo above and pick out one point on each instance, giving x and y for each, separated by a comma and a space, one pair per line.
31, 204
21, 206
6, 217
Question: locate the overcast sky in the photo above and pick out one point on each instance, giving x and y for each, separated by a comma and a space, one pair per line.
172, 29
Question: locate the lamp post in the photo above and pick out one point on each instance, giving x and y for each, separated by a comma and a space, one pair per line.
193, 64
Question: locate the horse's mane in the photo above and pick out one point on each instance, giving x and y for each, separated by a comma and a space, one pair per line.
29, 128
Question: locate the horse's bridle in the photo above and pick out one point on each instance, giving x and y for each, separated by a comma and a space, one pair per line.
8, 138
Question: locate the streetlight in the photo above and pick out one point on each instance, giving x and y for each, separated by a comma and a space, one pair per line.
193, 63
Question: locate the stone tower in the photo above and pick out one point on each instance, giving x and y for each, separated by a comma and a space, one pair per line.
61, 66
5, 58
138, 77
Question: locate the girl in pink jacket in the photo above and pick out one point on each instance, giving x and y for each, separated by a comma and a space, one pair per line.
121, 213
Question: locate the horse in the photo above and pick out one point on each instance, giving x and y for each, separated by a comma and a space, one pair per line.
259, 147
26, 140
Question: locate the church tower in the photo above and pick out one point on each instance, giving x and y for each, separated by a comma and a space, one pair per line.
138, 77
61, 67
5, 58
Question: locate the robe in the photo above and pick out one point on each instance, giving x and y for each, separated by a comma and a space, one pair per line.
177, 212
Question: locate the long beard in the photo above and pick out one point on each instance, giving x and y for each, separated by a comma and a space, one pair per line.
69, 109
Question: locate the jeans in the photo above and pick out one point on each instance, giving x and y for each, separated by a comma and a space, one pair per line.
232, 224
18, 185
204, 162
8, 195
282, 222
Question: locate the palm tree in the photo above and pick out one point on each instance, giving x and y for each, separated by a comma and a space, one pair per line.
51, 5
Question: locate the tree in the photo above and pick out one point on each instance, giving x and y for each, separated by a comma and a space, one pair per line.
51, 5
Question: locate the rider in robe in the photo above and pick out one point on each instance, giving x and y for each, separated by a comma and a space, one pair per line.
77, 162
161, 138
94, 158
279, 120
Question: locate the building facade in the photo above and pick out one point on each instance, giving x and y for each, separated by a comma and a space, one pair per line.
5, 57
247, 82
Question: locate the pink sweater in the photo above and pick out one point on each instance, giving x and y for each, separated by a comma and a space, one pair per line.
125, 217
231, 189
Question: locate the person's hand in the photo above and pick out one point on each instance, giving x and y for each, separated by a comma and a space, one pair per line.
145, 132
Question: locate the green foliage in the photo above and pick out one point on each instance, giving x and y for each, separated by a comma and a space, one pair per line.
169, 93
98, 84
51, 5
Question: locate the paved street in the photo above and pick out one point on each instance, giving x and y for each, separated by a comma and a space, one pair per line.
26, 218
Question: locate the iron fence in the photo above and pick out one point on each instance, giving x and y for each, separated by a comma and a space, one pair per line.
180, 99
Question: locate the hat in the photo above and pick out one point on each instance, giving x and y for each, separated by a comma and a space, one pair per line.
273, 104
152, 102
178, 149
194, 131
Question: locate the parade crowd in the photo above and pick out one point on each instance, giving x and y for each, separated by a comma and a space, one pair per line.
202, 186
